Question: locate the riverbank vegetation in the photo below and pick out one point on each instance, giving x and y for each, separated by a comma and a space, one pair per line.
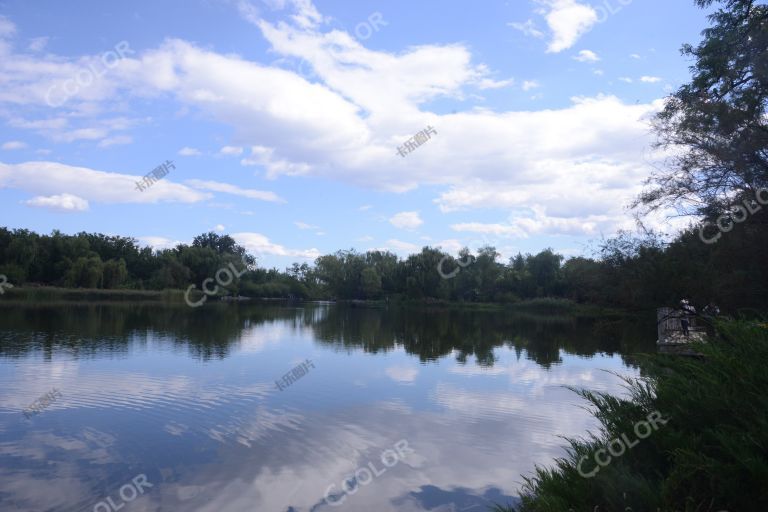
710, 452
626, 271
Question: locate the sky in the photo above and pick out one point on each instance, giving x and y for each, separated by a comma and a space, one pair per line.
284, 123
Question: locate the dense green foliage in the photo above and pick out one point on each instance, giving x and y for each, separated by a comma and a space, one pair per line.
716, 125
711, 455
627, 271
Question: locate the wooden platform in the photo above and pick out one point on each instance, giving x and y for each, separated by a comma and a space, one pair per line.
671, 338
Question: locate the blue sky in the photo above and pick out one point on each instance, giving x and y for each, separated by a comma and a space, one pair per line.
283, 119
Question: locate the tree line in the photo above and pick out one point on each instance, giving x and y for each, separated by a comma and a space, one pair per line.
628, 270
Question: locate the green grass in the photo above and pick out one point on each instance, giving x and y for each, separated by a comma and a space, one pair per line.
712, 455
53, 294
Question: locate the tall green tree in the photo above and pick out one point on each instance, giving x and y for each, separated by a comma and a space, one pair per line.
716, 124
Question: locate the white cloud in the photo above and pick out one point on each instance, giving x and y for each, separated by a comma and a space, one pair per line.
488, 83
530, 84
220, 228
187, 151
257, 243
568, 20
650, 79
406, 220
54, 178
571, 162
400, 247
625, 79
635, 56
13, 144
528, 28
7, 28
231, 150
402, 374
159, 242
365, 207
587, 56
304, 225
37, 44
216, 186
263, 156
539, 223
113, 141
61, 203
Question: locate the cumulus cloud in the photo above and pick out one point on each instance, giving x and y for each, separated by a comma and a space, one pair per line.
113, 141
406, 220
400, 247
13, 144
7, 28
587, 56
528, 28
650, 79
187, 151
576, 162
60, 203
216, 186
530, 84
231, 150
37, 44
159, 242
568, 20
57, 179
402, 374
256, 243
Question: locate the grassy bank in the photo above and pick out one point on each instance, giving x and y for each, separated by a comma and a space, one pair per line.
710, 455
53, 294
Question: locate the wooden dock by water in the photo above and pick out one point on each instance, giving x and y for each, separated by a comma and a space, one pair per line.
671, 339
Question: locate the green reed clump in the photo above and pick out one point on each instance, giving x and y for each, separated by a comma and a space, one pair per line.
711, 455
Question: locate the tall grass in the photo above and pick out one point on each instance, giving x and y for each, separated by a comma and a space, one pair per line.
711, 455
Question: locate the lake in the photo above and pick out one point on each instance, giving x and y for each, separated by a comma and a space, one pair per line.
280, 407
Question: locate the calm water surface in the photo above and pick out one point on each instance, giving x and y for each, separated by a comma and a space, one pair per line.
188, 398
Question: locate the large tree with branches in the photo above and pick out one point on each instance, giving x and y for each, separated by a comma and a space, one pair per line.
715, 127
